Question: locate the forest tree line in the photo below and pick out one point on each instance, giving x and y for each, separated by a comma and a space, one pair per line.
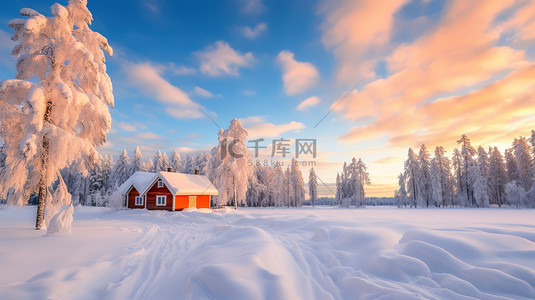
471, 178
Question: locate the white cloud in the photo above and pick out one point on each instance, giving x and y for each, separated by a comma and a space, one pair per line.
251, 7
252, 33
152, 6
257, 127
125, 126
131, 127
202, 92
149, 136
220, 59
297, 76
148, 80
252, 120
249, 93
181, 70
181, 113
309, 102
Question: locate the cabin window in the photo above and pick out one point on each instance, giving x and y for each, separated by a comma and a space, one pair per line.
139, 200
192, 201
160, 184
161, 200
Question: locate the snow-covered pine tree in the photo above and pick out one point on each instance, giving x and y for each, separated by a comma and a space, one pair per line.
96, 180
498, 178
287, 187
158, 162
363, 178
460, 188
483, 162
424, 181
231, 176
510, 163
524, 162
313, 187
201, 162
479, 185
298, 184
515, 194
467, 152
176, 161
441, 178
149, 165
338, 195
412, 175
277, 186
121, 170
107, 170
137, 162
66, 112
165, 162
402, 192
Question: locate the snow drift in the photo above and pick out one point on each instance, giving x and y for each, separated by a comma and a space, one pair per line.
273, 254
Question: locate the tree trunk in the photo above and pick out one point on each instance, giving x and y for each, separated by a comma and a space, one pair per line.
43, 188
235, 198
43, 191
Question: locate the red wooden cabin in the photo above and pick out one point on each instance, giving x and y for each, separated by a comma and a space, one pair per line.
170, 191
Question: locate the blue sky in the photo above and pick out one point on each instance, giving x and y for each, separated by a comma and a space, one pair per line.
176, 61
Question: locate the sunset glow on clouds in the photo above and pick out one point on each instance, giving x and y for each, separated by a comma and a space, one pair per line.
395, 73
459, 77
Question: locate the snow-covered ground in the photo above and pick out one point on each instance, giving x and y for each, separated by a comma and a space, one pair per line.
307, 253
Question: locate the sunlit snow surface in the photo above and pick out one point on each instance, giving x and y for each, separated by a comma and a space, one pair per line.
307, 253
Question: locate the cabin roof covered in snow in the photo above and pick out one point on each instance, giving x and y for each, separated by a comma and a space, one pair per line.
139, 180
183, 184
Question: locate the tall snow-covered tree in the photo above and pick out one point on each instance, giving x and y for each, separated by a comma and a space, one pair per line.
515, 194
479, 186
313, 187
278, 186
498, 177
66, 112
442, 186
412, 175
338, 195
287, 187
232, 174
363, 178
121, 172
425, 180
483, 162
158, 162
524, 162
511, 165
298, 184
467, 152
137, 162
149, 165
165, 162
402, 191
176, 161
460, 187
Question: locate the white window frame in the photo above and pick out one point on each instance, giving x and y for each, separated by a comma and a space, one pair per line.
189, 201
164, 200
160, 184
140, 202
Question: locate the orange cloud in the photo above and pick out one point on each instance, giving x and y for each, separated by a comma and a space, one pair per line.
297, 76
491, 84
352, 29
